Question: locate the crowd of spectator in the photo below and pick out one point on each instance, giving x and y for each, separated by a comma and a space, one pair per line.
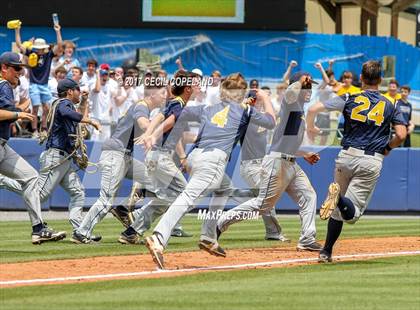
109, 98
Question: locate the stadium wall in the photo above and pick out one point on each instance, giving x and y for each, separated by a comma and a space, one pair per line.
257, 54
397, 189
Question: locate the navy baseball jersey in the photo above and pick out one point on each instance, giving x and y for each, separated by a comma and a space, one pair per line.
368, 116
290, 131
406, 110
66, 120
7, 102
171, 137
224, 124
254, 142
127, 128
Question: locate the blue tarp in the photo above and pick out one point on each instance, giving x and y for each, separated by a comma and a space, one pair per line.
257, 54
397, 189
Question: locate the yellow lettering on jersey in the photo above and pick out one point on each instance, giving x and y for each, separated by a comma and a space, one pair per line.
377, 113
220, 118
364, 105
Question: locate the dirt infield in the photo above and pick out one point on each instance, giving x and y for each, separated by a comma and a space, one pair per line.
142, 266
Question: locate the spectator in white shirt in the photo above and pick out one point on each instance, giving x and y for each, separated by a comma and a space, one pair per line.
59, 74
213, 90
101, 103
89, 76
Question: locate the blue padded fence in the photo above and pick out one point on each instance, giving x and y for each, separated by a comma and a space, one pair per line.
397, 189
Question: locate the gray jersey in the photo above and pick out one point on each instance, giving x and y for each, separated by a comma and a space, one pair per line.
127, 128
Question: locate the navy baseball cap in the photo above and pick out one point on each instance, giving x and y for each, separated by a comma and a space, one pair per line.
66, 84
10, 58
296, 77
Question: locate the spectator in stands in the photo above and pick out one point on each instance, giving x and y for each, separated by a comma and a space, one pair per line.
213, 89
40, 57
89, 76
406, 109
392, 93
101, 100
124, 97
346, 84
68, 60
21, 95
59, 74
254, 84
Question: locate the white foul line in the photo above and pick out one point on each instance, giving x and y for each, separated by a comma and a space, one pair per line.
189, 270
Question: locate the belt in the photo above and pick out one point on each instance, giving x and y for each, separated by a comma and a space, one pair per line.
3, 142
163, 150
286, 157
359, 152
253, 161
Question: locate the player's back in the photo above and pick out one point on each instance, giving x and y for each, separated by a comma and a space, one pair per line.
368, 118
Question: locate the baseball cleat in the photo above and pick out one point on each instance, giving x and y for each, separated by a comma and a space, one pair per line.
330, 202
211, 248
47, 234
180, 233
324, 257
80, 239
281, 238
129, 239
122, 214
156, 250
312, 247
96, 238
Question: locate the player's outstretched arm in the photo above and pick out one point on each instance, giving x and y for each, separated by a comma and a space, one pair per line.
156, 121
11, 115
313, 111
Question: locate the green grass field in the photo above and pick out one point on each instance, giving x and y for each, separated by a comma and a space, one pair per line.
15, 237
389, 283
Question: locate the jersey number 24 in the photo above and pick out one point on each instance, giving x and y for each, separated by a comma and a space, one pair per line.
376, 114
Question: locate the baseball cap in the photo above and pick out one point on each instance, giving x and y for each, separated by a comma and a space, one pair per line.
66, 84
10, 58
197, 71
104, 67
296, 77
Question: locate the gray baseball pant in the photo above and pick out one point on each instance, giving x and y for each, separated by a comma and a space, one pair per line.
64, 175
278, 176
357, 175
18, 169
251, 172
207, 173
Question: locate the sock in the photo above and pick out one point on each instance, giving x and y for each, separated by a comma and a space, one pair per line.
346, 208
333, 232
37, 227
130, 231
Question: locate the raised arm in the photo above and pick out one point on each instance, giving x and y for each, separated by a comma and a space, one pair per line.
325, 78
286, 75
18, 40
59, 45
97, 88
179, 63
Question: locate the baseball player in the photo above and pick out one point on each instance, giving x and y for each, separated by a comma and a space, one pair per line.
159, 160
368, 117
222, 125
11, 164
55, 162
280, 172
253, 150
117, 161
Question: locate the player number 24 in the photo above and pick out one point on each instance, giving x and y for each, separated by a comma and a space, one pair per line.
376, 114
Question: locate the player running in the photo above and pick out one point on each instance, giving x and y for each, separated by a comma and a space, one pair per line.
222, 125
368, 118
280, 172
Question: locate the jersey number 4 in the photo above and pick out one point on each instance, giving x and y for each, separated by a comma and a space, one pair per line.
376, 114
220, 118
